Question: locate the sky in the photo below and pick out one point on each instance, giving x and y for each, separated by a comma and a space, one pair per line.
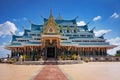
104, 15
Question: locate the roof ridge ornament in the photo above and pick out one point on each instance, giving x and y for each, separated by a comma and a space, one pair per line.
76, 17
30, 21
59, 14
23, 27
88, 23
59, 17
93, 28
42, 17
102, 36
12, 33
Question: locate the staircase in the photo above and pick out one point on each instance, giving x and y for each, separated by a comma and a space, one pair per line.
50, 61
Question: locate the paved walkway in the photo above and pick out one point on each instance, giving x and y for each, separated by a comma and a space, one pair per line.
51, 72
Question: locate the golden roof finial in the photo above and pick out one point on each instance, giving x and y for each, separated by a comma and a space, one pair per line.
50, 12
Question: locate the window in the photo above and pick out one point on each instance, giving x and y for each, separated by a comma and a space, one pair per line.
36, 38
85, 40
67, 35
68, 31
76, 35
63, 39
23, 40
93, 41
32, 34
83, 36
75, 31
89, 36
76, 40
38, 34
60, 31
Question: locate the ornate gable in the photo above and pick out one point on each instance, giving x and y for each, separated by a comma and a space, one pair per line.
50, 26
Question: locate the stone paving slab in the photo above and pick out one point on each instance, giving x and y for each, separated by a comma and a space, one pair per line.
51, 72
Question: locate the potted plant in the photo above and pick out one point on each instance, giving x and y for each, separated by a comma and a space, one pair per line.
10, 61
74, 57
24, 57
41, 58
65, 56
86, 60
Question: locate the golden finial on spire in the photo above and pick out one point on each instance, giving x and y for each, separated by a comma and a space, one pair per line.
50, 12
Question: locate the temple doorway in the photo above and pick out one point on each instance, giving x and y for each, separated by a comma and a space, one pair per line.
50, 52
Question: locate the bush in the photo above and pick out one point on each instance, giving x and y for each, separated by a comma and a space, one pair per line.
118, 51
117, 55
10, 61
86, 60
74, 57
64, 56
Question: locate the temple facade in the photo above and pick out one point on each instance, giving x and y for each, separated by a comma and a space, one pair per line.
57, 37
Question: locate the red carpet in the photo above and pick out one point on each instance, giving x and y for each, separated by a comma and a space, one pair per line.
51, 72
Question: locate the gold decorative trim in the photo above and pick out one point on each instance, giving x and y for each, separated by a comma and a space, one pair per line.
50, 24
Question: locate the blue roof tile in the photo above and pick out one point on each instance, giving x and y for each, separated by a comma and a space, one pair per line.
85, 27
62, 21
36, 27
26, 32
14, 37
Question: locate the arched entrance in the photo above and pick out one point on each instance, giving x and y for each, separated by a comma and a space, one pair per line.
50, 45
51, 52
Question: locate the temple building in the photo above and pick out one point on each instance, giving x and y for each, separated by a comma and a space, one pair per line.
56, 37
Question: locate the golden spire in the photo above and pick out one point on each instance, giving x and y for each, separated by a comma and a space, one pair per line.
50, 25
51, 19
50, 12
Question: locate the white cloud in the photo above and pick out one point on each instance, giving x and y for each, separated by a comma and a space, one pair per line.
100, 32
97, 18
115, 41
115, 15
6, 27
81, 23
3, 51
20, 33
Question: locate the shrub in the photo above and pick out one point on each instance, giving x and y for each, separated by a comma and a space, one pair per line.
64, 56
86, 60
74, 57
117, 55
10, 61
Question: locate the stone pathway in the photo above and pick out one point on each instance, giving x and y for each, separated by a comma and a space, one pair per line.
51, 72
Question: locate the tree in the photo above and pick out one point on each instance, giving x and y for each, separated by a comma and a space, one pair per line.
118, 51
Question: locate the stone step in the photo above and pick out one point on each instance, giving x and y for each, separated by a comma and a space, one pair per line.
29, 63
51, 61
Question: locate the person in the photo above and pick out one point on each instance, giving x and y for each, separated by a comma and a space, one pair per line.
78, 57
42, 53
21, 58
91, 58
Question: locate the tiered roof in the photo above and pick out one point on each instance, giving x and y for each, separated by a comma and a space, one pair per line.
81, 35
